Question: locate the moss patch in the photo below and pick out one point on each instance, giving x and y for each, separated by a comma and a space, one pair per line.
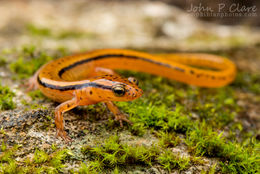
65, 34
248, 82
29, 61
6, 98
40, 163
112, 154
235, 158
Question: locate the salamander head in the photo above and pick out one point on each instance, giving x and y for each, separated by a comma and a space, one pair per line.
116, 88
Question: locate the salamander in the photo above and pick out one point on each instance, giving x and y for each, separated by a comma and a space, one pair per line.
88, 78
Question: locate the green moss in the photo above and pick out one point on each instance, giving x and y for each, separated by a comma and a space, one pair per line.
41, 31
75, 34
58, 157
170, 161
3, 61
6, 98
212, 170
29, 62
41, 162
112, 154
54, 147
148, 115
36, 94
234, 157
3, 146
204, 36
40, 157
216, 117
10, 168
30, 106
64, 34
248, 82
168, 139
2, 131
138, 129
52, 163
92, 167
204, 141
218, 107
7, 162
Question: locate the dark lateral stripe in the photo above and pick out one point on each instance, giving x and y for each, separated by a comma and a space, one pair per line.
72, 87
115, 55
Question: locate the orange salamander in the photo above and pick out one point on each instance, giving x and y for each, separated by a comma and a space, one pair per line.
88, 78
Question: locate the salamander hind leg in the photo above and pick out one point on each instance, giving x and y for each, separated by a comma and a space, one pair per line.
63, 107
119, 116
32, 84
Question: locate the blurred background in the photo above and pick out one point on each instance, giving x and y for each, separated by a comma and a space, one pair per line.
33, 32
191, 25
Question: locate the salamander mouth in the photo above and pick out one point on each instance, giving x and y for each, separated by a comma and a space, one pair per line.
137, 93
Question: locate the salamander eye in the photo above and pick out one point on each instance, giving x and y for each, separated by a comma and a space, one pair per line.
133, 80
118, 90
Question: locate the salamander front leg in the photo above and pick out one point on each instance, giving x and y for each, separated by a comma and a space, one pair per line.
59, 110
119, 116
